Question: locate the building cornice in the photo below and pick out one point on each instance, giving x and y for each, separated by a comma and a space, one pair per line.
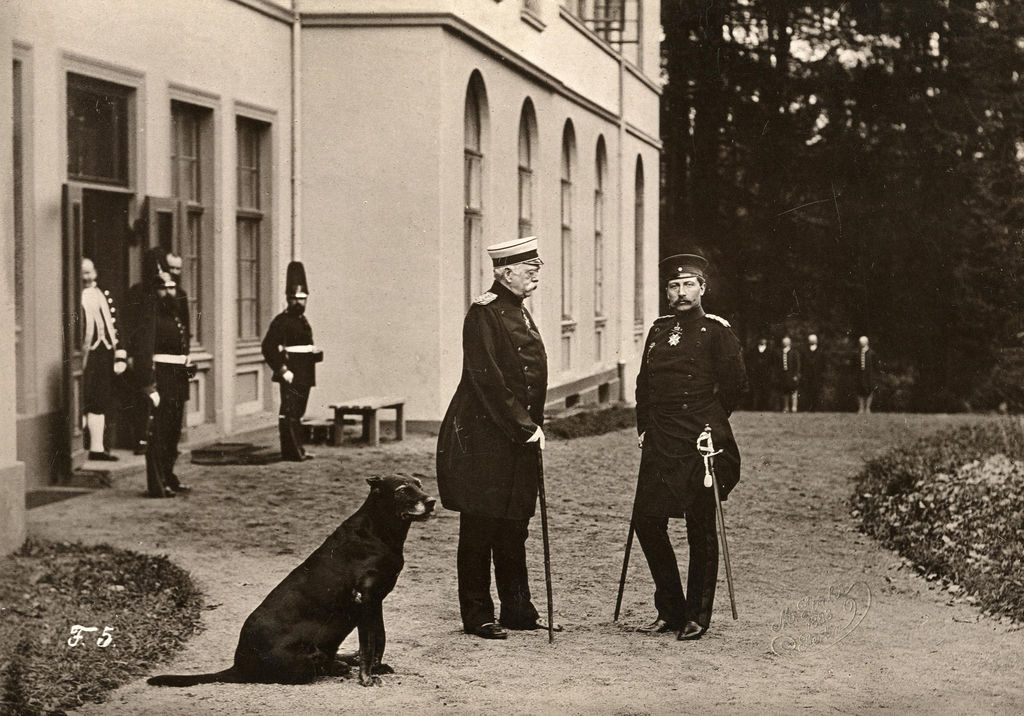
457, 26
268, 8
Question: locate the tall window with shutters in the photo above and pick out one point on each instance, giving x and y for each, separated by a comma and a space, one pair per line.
189, 163
251, 135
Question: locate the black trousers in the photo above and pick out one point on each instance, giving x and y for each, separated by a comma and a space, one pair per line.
294, 399
673, 605
482, 539
162, 445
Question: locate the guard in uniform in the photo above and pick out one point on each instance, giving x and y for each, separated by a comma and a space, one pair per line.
691, 375
487, 447
103, 358
289, 351
160, 357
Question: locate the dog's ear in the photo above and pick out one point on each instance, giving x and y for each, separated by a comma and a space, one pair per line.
374, 481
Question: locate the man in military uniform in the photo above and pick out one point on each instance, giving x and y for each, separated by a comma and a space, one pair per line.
691, 375
289, 351
160, 358
487, 459
104, 357
173, 263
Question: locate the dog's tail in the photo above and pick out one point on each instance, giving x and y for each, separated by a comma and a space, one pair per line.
228, 675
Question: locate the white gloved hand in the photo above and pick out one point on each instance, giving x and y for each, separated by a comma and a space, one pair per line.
537, 437
155, 397
287, 376
640, 440
119, 367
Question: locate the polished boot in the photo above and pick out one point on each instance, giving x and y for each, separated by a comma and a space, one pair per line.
658, 626
290, 448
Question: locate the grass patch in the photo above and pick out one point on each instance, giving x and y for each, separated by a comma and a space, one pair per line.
150, 605
951, 504
591, 422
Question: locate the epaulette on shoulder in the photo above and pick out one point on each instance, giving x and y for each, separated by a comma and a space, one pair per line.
484, 298
721, 320
662, 318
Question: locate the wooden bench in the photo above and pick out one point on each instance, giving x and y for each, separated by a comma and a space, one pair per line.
367, 407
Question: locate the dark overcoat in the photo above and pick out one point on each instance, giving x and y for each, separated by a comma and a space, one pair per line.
288, 329
691, 375
484, 464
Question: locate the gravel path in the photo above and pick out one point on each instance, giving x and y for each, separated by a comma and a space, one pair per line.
828, 621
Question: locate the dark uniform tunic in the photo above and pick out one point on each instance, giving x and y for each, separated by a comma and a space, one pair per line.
813, 377
485, 468
691, 375
159, 352
787, 370
288, 345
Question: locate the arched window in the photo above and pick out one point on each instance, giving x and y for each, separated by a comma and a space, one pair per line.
600, 174
527, 132
472, 191
600, 177
568, 160
638, 244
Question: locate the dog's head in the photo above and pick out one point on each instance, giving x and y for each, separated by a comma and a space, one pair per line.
405, 494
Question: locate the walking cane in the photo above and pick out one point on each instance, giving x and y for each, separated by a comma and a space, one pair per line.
625, 566
547, 548
706, 447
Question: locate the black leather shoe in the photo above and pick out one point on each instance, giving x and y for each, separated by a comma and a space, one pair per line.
140, 449
180, 487
105, 456
490, 630
658, 626
691, 631
538, 623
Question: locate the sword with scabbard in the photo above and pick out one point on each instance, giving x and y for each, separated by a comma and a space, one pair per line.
706, 448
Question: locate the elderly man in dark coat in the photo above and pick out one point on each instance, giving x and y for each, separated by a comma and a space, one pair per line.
691, 375
487, 447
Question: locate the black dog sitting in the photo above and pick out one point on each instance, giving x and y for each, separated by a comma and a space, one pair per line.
293, 636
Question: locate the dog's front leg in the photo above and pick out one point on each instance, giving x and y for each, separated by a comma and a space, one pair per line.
380, 641
368, 648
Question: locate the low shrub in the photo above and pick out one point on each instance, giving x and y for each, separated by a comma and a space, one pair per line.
950, 503
146, 606
591, 422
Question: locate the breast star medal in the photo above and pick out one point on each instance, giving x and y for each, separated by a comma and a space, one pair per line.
673, 340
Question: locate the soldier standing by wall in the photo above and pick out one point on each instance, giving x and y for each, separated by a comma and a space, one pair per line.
289, 351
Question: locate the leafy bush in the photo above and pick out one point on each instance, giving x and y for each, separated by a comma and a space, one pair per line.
591, 422
150, 605
951, 504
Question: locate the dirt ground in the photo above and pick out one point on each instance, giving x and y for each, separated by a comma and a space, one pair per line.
828, 621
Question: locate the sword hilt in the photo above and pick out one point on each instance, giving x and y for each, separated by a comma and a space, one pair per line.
706, 448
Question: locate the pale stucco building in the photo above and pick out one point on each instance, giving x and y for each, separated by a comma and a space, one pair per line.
384, 143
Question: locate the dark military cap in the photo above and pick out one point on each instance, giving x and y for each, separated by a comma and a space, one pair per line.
683, 266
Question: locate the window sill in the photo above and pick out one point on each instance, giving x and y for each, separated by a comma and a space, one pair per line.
568, 326
531, 18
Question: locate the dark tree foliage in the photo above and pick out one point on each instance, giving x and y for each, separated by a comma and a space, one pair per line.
854, 168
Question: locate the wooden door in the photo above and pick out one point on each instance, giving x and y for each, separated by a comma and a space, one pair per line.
72, 210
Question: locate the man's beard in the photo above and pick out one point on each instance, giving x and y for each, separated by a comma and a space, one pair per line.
296, 309
168, 304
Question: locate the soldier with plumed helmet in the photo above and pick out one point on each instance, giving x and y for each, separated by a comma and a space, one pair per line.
289, 351
691, 376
